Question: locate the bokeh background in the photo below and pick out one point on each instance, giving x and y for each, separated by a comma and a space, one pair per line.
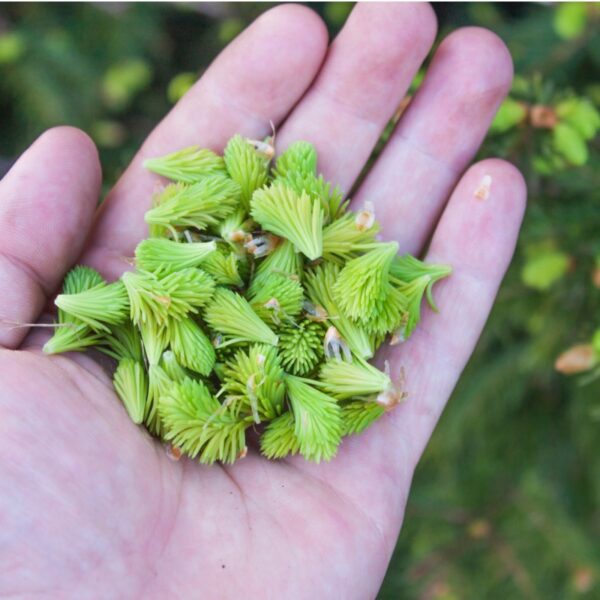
506, 501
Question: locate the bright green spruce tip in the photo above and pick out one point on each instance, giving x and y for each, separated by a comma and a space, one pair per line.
186, 334
131, 384
291, 215
247, 167
75, 334
167, 256
256, 302
98, 307
189, 165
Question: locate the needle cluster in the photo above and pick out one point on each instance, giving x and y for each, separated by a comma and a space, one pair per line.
256, 302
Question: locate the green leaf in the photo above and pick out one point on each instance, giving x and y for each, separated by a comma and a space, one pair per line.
319, 287
570, 19
581, 114
12, 47
123, 341
124, 80
596, 341
155, 299
540, 272
224, 267
569, 142
344, 380
283, 260
300, 157
179, 86
511, 113
348, 236
278, 299
171, 367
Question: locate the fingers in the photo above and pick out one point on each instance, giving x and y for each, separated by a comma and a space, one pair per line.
438, 136
367, 71
47, 202
476, 236
256, 79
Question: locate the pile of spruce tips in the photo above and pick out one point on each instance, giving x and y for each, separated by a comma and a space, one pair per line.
256, 302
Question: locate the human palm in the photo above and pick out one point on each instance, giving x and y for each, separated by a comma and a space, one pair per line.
90, 505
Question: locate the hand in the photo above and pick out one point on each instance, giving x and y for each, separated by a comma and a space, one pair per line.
92, 507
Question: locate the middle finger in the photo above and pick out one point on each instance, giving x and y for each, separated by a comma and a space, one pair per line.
368, 69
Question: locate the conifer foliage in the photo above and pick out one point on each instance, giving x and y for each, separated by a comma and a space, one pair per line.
257, 300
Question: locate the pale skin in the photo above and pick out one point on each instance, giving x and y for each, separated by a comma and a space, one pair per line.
90, 505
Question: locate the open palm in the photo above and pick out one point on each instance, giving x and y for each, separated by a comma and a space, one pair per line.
90, 505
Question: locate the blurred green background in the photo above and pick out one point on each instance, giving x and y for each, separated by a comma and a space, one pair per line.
506, 501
